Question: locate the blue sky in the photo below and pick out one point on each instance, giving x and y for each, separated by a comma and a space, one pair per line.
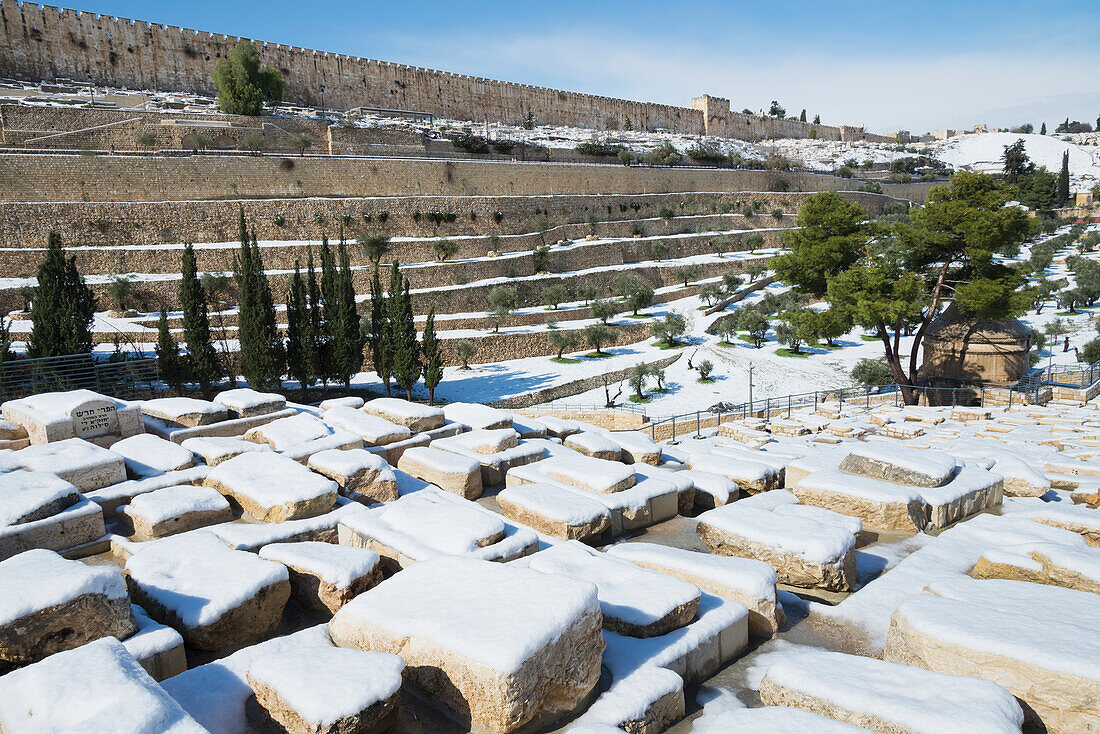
916, 65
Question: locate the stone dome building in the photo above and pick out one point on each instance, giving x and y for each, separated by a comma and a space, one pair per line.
962, 351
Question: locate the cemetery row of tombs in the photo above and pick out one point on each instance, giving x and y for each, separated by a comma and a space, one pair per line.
247, 564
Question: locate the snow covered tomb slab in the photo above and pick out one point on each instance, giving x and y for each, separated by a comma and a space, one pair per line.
450, 472
598, 446
500, 645
147, 455
899, 464
216, 449
175, 510
56, 416
272, 488
214, 596
50, 604
324, 576
26, 496
83, 464
244, 402
363, 476
184, 412
555, 511
477, 416
373, 430
414, 416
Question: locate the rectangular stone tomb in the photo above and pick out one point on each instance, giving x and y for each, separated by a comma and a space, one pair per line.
884, 696
595, 445
711, 490
50, 604
323, 690
272, 488
899, 465
495, 464
75, 526
504, 647
774, 720
373, 430
748, 582
804, 552
636, 447
749, 476
325, 576
184, 412
589, 474
1050, 665
174, 510
244, 402
26, 496
417, 417
214, 596
56, 416
555, 511
157, 647
216, 449
363, 476
448, 471
95, 688
286, 433
685, 487
635, 602
1043, 563
147, 455
432, 523
477, 416
84, 465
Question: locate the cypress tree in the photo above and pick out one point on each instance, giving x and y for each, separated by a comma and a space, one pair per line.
381, 352
1043, 129
202, 358
433, 358
261, 346
1063, 181
63, 308
318, 352
349, 345
168, 354
406, 350
298, 358
331, 310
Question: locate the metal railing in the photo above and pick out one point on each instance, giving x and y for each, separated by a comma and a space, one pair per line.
694, 422
1064, 374
123, 379
562, 407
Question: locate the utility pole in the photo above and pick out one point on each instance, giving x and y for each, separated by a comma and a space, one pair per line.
750, 388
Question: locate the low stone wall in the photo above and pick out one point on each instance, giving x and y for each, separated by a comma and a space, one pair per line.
24, 224
576, 387
612, 420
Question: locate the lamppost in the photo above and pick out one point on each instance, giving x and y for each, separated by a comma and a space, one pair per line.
750, 389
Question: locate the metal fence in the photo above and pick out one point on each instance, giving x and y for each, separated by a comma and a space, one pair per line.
125, 379
695, 421
564, 407
1075, 375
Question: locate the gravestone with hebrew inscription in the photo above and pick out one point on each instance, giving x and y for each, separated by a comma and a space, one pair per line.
57, 416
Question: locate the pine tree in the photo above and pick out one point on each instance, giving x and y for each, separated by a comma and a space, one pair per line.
1043, 129
63, 306
348, 351
202, 358
168, 354
378, 339
1063, 181
298, 358
261, 347
406, 350
433, 358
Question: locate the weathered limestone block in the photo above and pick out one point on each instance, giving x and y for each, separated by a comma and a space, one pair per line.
887, 697
1074, 519
745, 581
56, 416
879, 504
899, 465
323, 690
50, 604
711, 490
555, 511
477, 416
374, 431
346, 402
26, 496
595, 445
545, 658
1043, 563
173, 510
635, 602
803, 551
216, 449
775, 720
157, 647
214, 596
98, 687
363, 476
82, 464
749, 476
147, 455
559, 427
245, 402
637, 448
587, 473
498, 451
283, 434
184, 412
324, 576
1051, 667
448, 471
782, 427
77, 525
272, 488
414, 416
11, 431
339, 439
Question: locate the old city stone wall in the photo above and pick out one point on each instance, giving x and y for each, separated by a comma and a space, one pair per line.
45, 42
